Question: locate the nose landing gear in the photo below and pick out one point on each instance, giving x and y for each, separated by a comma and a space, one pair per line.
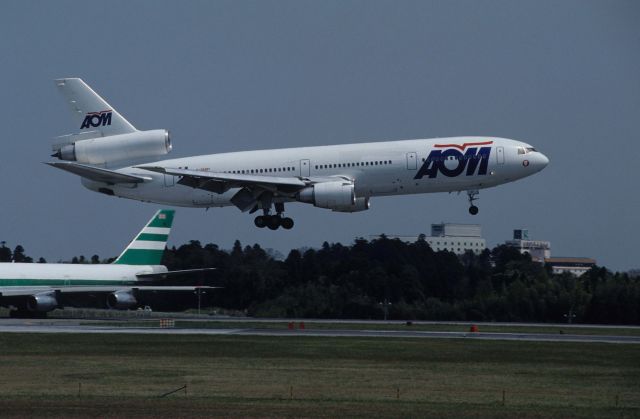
273, 222
473, 195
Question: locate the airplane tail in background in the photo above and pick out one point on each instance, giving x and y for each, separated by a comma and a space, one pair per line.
92, 113
148, 246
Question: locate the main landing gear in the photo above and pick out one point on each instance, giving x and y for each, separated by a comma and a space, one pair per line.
473, 195
274, 221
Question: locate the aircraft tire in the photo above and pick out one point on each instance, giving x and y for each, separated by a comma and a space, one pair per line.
473, 210
273, 222
287, 223
260, 221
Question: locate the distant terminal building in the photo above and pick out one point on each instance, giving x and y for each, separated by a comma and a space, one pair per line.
538, 249
575, 266
456, 238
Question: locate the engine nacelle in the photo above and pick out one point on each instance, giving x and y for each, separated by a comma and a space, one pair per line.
361, 204
41, 302
331, 195
121, 300
115, 148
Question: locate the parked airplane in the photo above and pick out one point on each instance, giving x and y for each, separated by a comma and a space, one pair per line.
33, 289
114, 158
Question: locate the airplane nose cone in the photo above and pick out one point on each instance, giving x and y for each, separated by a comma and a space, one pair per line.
543, 161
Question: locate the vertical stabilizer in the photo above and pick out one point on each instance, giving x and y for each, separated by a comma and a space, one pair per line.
148, 246
91, 112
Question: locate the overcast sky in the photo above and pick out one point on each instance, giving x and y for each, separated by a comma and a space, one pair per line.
240, 75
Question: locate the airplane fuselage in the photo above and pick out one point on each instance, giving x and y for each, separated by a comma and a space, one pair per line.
376, 169
66, 274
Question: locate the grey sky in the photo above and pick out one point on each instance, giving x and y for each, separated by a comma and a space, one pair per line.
235, 75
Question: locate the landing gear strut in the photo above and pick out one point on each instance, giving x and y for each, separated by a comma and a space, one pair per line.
273, 221
473, 195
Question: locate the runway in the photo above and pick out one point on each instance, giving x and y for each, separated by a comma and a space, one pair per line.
74, 326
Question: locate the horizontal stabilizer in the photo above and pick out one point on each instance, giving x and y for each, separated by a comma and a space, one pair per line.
97, 174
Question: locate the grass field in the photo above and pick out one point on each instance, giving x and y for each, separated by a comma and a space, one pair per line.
124, 375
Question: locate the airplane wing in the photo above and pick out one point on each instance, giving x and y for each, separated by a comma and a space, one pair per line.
43, 299
214, 181
92, 289
97, 174
163, 275
251, 186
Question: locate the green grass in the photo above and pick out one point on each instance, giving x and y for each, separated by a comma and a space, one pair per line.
123, 375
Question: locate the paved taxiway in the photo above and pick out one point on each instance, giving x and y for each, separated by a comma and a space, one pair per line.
65, 326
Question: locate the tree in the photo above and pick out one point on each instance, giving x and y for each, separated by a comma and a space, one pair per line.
19, 256
5, 252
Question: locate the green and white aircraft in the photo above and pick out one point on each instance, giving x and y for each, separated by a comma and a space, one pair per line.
32, 289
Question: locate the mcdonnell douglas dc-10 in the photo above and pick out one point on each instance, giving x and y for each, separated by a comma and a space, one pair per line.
114, 158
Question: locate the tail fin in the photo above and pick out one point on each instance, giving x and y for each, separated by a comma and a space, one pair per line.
92, 113
148, 246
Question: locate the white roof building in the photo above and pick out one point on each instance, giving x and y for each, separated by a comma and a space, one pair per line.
456, 238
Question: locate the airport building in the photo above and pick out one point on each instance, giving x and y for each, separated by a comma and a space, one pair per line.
456, 238
575, 266
538, 249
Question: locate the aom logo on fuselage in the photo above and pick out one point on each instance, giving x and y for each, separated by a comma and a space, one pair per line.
96, 119
451, 161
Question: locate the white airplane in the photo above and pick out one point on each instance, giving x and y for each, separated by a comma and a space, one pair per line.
114, 158
32, 289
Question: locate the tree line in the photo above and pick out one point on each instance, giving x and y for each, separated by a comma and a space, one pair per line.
407, 281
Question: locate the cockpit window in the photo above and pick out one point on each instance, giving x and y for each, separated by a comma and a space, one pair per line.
526, 150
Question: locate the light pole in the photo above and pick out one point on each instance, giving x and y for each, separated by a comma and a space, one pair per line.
385, 307
199, 292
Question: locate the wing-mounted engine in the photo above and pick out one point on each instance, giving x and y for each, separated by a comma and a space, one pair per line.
41, 303
106, 151
121, 300
336, 195
362, 204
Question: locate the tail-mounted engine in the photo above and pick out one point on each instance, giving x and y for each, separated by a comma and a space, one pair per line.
337, 196
114, 148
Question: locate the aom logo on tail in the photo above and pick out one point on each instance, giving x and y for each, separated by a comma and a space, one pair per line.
451, 162
96, 119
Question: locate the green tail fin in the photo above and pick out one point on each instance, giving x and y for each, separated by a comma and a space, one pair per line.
148, 246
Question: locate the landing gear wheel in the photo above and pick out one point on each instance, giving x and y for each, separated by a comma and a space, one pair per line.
473, 196
287, 223
273, 222
260, 221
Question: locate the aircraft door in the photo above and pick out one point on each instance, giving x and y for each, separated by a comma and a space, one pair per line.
500, 154
412, 161
305, 168
169, 180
